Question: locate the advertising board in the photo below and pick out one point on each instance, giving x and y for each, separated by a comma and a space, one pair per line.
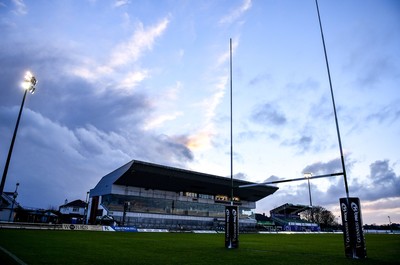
231, 227
353, 235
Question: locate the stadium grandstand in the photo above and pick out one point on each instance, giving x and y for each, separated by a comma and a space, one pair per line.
151, 196
265, 223
288, 217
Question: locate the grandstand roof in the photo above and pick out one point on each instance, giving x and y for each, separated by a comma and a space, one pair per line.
289, 208
152, 176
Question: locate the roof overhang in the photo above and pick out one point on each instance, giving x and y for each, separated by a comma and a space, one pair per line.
153, 176
289, 208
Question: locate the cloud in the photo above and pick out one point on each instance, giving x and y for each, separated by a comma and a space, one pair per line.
240, 175
201, 139
119, 3
389, 113
382, 182
142, 40
375, 70
159, 120
379, 194
225, 56
322, 168
259, 79
236, 13
77, 128
117, 72
268, 114
21, 8
272, 178
388, 204
303, 143
132, 79
48, 156
171, 151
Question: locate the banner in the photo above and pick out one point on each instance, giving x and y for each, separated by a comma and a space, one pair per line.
82, 227
231, 227
125, 228
353, 235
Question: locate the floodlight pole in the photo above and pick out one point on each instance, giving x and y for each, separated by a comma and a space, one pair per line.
309, 191
29, 85
308, 176
3, 179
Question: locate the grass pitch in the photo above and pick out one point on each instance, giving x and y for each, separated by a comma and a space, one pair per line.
84, 247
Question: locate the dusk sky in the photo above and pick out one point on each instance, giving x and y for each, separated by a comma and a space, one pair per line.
149, 80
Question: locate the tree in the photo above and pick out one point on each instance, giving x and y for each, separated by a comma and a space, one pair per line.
319, 215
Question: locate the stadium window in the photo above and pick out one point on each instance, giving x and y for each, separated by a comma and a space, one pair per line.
221, 198
206, 196
191, 194
236, 199
75, 209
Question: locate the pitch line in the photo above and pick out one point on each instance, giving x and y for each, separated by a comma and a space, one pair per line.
15, 258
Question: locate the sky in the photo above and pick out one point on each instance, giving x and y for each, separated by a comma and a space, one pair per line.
150, 80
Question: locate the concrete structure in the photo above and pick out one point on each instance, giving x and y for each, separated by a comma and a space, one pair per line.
287, 216
148, 195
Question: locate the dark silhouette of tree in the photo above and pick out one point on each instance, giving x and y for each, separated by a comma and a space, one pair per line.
319, 215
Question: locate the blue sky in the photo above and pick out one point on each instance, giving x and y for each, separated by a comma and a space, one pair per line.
149, 80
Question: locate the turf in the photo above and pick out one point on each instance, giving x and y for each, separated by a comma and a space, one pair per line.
83, 247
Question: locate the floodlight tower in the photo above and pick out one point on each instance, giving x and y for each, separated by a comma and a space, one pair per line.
308, 176
28, 85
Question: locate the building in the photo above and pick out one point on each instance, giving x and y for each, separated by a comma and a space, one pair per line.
8, 206
265, 223
287, 216
147, 195
73, 212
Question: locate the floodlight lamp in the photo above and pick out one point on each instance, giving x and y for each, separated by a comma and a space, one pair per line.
307, 175
29, 82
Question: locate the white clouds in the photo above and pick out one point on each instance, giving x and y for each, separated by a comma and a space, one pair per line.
269, 114
160, 120
21, 8
172, 93
132, 79
225, 56
142, 40
236, 13
202, 138
122, 58
119, 3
